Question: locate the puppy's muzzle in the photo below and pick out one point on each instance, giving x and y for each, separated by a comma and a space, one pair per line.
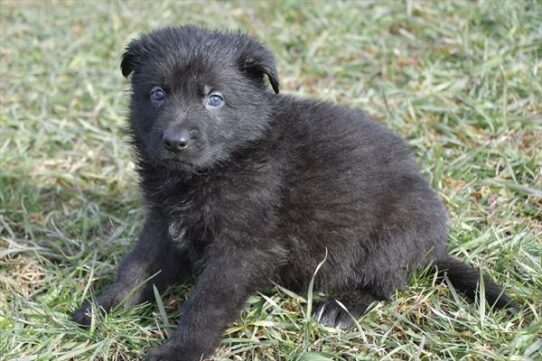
177, 140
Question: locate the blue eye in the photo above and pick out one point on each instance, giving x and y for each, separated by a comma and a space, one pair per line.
215, 100
157, 94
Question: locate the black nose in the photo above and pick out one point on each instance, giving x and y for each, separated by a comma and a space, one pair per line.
176, 141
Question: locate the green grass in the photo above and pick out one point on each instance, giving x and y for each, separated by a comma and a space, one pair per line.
462, 81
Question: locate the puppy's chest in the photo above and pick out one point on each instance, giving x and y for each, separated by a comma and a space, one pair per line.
190, 224
201, 209
192, 213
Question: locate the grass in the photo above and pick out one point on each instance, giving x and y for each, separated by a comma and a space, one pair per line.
462, 81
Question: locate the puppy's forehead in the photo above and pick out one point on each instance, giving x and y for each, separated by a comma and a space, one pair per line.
190, 79
190, 56
198, 67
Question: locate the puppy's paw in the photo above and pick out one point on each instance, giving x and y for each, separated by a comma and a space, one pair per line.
171, 351
83, 314
105, 302
165, 352
330, 314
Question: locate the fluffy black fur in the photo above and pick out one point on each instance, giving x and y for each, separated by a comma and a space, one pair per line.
261, 187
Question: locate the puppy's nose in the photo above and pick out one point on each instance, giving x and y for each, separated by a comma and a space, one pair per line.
176, 141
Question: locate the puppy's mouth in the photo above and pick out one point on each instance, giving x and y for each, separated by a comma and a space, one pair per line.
192, 160
175, 161
188, 161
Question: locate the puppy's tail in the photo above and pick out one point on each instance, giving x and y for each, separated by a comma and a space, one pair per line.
466, 279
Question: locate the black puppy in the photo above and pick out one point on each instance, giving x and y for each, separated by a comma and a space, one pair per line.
248, 186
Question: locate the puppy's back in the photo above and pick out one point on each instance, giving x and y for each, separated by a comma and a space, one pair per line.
351, 186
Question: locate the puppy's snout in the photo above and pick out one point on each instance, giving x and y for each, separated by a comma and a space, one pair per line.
176, 141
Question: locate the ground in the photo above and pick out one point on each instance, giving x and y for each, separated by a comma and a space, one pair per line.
461, 81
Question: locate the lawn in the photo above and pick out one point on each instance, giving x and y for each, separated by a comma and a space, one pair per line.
461, 81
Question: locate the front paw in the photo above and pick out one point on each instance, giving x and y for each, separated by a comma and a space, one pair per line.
106, 301
163, 353
169, 352
83, 314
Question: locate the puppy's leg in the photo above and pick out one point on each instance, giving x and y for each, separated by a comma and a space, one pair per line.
331, 314
154, 252
230, 276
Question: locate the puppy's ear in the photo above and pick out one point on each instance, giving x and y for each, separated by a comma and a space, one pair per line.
257, 61
131, 58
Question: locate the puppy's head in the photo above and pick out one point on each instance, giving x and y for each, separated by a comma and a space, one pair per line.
197, 95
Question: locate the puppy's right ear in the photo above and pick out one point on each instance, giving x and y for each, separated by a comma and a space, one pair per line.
131, 58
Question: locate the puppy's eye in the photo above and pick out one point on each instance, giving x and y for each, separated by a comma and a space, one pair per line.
157, 95
215, 100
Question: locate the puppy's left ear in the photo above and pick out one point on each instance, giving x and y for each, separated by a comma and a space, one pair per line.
131, 58
258, 62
